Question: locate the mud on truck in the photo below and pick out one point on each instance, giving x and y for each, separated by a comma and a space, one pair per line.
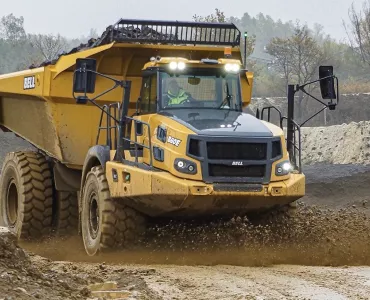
149, 120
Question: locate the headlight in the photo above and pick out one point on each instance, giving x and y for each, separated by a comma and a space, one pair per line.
185, 166
232, 68
177, 65
228, 67
173, 65
287, 166
181, 65
283, 168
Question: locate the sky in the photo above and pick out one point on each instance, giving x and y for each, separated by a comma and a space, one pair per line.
74, 18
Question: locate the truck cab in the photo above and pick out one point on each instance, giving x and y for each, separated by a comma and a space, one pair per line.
198, 128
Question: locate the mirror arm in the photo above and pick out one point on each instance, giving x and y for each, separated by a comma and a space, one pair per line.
304, 91
117, 83
97, 105
301, 87
325, 105
314, 115
308, 83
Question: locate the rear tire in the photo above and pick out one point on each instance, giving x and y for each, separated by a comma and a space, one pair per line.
66, 215
26, 192
106, 223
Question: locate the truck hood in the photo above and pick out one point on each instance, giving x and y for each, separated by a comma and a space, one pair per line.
219, 122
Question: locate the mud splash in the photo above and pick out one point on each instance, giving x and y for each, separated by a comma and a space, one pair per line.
313, 236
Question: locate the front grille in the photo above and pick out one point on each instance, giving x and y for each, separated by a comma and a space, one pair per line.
253, 171
235, 159
276, 149
194, 147
237, 151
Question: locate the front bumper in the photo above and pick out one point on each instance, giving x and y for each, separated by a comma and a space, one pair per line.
162, 194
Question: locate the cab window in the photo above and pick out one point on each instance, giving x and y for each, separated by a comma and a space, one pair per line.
149, 95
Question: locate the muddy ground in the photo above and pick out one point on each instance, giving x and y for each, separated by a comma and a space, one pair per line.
320, 253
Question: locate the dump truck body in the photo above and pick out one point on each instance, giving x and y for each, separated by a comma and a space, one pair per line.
38, 105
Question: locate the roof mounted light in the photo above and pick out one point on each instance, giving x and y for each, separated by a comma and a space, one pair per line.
232, 68
173, 65
181, 65
177, 65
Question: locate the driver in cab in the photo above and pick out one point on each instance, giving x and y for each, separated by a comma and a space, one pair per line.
176, 94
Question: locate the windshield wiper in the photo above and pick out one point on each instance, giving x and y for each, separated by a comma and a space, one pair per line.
228, 97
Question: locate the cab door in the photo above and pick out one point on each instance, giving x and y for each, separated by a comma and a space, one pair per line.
146, 108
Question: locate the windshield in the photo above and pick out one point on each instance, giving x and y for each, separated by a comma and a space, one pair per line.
200, 89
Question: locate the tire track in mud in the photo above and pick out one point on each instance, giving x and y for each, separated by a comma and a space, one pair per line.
280, 282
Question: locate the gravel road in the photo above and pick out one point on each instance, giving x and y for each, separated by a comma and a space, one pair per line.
322, 253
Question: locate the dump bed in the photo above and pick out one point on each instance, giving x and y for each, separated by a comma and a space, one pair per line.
38, 104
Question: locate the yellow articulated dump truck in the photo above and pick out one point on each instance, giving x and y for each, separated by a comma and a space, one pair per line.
149, 120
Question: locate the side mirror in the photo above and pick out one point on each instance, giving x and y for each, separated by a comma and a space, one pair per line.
85, 76
327, 82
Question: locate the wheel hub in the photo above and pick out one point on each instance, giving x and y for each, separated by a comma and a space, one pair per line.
12, 203
93, 216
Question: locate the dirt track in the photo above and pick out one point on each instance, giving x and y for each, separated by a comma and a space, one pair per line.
322, 253
282, 282
322, 256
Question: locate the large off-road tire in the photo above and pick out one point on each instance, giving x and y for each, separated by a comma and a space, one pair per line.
26, 192
106, 223
66, 213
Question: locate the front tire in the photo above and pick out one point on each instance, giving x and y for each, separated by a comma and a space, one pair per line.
106, 223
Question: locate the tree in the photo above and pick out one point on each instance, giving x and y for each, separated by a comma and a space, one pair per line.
92, 34
297, 59
12, 28
219, 17
48, 46
358, 31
